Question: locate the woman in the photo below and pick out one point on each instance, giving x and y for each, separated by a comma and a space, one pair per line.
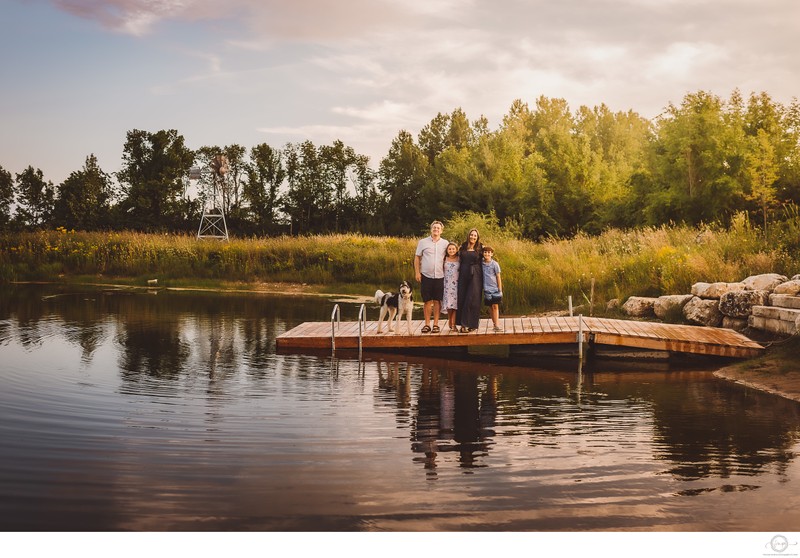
470, 282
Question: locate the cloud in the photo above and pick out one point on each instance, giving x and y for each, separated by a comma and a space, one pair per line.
357, 69
134, 17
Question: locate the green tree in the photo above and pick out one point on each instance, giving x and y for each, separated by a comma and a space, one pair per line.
230, 184
336, 159
692, 174
617, 146
265, 174
401, 176
762, 170
367, 200
568, 164
789, 181
433, 138
35, 198
6, 197
308, 199
154, 166
84, 198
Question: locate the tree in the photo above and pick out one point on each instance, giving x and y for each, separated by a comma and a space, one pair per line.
6, 197
152, 179
367, 200
568, 163
762, 170
265, 174
336, 159
308, 199
35, 197
433, 138
401, 176
692, 163
228, 185
84, 198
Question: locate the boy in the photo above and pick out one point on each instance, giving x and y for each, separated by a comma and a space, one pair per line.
492, 286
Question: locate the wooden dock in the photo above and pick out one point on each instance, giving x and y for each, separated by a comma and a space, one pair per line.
527, 331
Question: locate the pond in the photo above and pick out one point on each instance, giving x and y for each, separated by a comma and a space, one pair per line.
171, 411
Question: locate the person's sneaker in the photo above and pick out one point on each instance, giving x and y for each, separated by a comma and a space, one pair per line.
498, 329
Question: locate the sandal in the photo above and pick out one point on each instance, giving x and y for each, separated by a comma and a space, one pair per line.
435, 329
426, 329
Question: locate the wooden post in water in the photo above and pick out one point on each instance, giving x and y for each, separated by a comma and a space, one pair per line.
591, 299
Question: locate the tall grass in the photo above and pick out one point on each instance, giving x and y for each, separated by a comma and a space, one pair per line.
536, 276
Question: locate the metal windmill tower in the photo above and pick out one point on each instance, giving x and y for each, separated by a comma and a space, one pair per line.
212, 223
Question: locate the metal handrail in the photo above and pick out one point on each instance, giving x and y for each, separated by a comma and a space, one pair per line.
337, 313
362, 318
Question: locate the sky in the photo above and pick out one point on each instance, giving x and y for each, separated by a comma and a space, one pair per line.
79, 74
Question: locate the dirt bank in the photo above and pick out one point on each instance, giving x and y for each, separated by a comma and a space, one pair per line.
778, 371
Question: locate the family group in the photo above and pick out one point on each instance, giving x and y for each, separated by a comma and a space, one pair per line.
454, 279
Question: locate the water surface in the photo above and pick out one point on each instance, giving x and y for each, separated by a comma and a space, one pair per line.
158, 411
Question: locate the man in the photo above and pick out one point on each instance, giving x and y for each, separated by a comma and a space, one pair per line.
429, 271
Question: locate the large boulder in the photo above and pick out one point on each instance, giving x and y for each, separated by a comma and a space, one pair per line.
791, 288
740, 304
703, 311
667, 304
715, 290
764, 282
639, 306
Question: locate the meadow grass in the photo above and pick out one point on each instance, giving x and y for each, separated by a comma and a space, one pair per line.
537, 276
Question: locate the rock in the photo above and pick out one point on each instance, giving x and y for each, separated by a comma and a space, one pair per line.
764, 282
781, 327
736, 324
740, 304
715, 290
703, 311
667, 304
639, 306
613, 304
784, 301
790, 288
796, 277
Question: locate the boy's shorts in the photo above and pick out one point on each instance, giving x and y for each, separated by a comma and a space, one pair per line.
490, 300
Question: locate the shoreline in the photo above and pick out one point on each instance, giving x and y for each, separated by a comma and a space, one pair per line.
777, 375
776, 372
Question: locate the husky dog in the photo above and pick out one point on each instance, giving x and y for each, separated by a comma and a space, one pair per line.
395, 305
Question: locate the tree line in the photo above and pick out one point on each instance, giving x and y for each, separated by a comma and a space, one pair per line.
545, 171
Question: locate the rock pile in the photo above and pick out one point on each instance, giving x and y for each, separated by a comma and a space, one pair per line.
769, 302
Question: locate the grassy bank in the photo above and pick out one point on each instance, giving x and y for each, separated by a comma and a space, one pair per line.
537, 276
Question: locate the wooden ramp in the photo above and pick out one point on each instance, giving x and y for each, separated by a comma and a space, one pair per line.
527, 331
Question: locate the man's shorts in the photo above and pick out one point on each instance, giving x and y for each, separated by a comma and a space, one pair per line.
489, 300
432, 289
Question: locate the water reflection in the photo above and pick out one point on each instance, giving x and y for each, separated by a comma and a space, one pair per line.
699, 427
123, 409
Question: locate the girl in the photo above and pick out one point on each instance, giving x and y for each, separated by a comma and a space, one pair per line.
450, 300
470, 283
